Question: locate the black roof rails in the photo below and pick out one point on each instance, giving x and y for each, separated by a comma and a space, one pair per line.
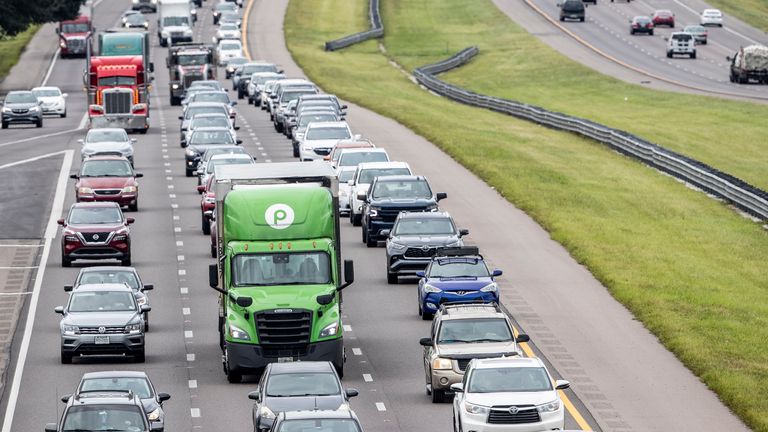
458, 251
128, 393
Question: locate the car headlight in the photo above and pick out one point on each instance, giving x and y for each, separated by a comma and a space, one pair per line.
238, 333
475, 409
7, 110
133, 328
210, 200
491, 287
84, 191
63, 44
174, 86
431, 288
330, 330
154, 415
397, 246
549, 406
130, 189
141, 301
191, 153
34, 109
188, 32
266, 413
439, 363
70, 330
164, 34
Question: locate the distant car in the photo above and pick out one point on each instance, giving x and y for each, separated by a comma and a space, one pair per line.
572, 10
227, 31
343, 145
81, 413
297, 386
53, 100
641, 24
699, 33
415, 238
233, 63
207, 204
681, 43
256, 85
136, 21
356, 156
21, 107
107, 142
297, 135
508, 391
108, 178
201, 140
136, 382
224, 159
126, 14
712, 17
244, 73
663, 17
364, 175
344, 174
320, 138
194, 108
320, 420
222, 7
227, 49
230, 18
95, 231
216, 120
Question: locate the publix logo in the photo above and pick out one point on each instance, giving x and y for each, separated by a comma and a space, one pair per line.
279, 216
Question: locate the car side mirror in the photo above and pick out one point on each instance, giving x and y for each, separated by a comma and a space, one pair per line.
441, 196
133, 140
181, 117
61, 222
138, 175
162, 397
237, 128
728, 58
74, 176
463, 232
496, 273
68, 288
385, 232
146, 308
522, 338
51, 427
427, 342
255, 395
233, 103
65, 398
59, 310
324, 299
244, 301
361, 196
350, 392
562, 385
421, 273
148, 287
350, 182
201, 188
81, 141
457, 388
238, 142
129, 220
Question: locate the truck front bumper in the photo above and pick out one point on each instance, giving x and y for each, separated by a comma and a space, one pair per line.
126, 122
245, 358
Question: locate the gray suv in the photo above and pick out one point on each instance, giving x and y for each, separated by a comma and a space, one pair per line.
102, 410
414, 240
22, 107
102, 319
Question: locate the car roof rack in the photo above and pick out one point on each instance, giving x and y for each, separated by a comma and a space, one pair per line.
458, 251
104, 393
447, 307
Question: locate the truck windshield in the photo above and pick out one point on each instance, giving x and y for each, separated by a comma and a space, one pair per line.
117, 81
122, 45
104, 417
193, 59
175, 21
294, 268
75, 28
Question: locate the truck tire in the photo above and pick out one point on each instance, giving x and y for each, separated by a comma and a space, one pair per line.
240, 93
146, 322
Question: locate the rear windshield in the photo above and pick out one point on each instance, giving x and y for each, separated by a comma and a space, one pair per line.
117, 81
209, 122
682, 37
105, 135
192, 111
211, 137
329, 133
97, 215
104, 417
231, 46
211, 97
46, 92
356, 158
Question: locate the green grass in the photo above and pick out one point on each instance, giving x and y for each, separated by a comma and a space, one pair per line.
753, 12
687, 266
11, 49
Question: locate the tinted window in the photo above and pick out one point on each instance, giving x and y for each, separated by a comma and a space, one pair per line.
117, 81
474, 330
402, 189
293, 95
139, 386
282, 269
510, 379
424, 226
102, 301
95, 215
110, 276
682, 37
106, 168
105, 418
231, 46
302, 384
367, 175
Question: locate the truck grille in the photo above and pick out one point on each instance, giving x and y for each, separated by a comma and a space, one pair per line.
75, 44
107, 330
284, 329
96, 237
525, 414
420, 252
117, 101
191, 77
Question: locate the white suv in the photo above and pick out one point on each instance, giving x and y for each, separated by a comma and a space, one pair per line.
509, 394
366, 172
681, 43
320, 138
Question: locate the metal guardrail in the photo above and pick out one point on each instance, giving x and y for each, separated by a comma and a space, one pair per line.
725, 186
376, 31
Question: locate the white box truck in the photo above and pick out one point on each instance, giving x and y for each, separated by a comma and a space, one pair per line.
174, 21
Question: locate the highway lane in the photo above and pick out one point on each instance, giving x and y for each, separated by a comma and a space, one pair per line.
643, 58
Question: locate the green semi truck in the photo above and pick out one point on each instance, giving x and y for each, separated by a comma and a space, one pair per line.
279, 269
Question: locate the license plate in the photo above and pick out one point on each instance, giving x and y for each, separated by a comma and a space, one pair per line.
101, 340
285, 359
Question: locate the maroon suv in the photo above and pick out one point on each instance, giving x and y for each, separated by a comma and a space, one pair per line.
96, 230
108, 178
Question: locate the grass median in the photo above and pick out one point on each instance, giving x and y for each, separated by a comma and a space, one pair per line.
687, 266
11, 49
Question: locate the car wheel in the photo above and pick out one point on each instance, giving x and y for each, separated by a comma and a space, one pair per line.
392, 278
64, 115
295, 149
66, 262
339, 370
364, 232
370, 243
669, 54
357, 220
146, 322
693, 55
139, 356
66, 358
189, 172
438, 396
581, 19
233, 377
206, 225
39, 123
5, 125
426, 316
134, 207
213, 251
651, 33
126, 262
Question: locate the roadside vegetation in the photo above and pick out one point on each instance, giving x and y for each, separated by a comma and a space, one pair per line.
11, 48
688, 267
752, 12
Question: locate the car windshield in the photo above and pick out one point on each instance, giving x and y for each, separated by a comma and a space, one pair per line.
346, 175
95, 215
424, 226
356, 158
297, 268
229, 161
46, 92
127, 277
135, 19
402, 189
367, 175
474, 330
105, 135
226, 6
319, 425
138, 385
106, 168
295, 94
175, 21
229, 27
306, 119
192, 111
75, 28
192, 59
211, 97
218, 121
303, 384
104, 417
251, 68
26, 97
231, 46
117, 81
453, 269
328, 133
509, 379
211, 137
102, 301
211, 152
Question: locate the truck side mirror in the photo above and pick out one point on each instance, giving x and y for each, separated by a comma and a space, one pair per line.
65, 398
213, 276
349, 271
441, 196
324, 299
244, 301
67, 288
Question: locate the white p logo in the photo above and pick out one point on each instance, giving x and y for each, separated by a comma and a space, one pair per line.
279, 216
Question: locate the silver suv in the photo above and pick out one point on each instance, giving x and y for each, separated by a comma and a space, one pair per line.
102, 410
102, 319
462, 332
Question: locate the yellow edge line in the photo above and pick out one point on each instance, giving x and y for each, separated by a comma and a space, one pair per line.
566, 401
246, 15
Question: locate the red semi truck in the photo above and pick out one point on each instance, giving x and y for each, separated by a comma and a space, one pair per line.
73, 36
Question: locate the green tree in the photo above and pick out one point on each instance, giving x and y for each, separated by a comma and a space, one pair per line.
17, 15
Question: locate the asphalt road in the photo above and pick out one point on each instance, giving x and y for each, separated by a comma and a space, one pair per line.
621, 374
641, 58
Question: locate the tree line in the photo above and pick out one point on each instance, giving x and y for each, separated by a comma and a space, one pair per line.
17, 15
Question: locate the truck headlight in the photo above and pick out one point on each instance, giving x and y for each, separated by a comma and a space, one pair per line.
266, 413
491, 287
154, 415
330, 330
431, 288
475, 409
549, 406
84, 191
238, 333
439, 363
130, 189
133, 328
70, 330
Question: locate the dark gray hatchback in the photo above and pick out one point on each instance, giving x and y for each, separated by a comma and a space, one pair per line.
572, 9
21, 107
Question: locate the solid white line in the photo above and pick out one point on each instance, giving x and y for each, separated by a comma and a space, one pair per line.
32, 159
380, 406
724, 28
347, 327
39, 137
20, 245
15, 294
17, 267
367, 378
50, 67
50, 234
180, 257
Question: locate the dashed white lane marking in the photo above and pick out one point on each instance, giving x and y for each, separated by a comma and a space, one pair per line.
194, 412
367, 378
177, 229
169, 178
179, 243
357, 351
186, 311
170, 186
192, 384
180, 257
167, 164
190, 357
380, 406
347, 328
268, 160
176, 217
175, 206
188, 334
184, 290
182, 272
172, 196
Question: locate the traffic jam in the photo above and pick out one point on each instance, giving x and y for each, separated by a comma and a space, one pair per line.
274, 231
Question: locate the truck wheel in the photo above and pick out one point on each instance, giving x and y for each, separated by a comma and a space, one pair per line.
426, 316
175, 100
392, 278
233, 377
139, 356
669, 54
66, 358
693, 55
364, 232
206, 224
438, 396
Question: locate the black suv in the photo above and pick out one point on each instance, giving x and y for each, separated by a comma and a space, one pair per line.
388, 196
103, 411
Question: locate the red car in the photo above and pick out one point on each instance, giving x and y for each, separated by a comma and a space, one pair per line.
663, 17
207, 203
108, 178
641, 24
95, 230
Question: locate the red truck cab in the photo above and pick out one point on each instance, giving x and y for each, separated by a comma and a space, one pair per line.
117, 88
73, 36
